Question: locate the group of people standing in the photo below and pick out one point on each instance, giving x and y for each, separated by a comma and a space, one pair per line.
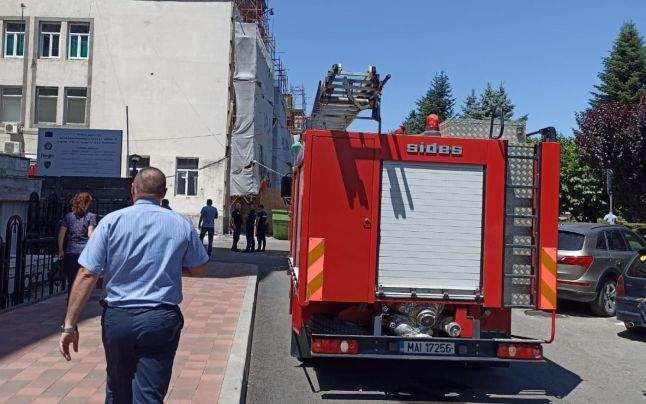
77, 226
255, 225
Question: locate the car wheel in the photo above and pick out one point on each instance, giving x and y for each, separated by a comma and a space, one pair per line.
605, 304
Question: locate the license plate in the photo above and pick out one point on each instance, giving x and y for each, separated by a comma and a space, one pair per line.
427, 348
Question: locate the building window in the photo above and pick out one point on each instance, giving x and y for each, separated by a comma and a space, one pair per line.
186, 177
50, 34
10, 102
46, 100
75, 103
14, 39
79, 41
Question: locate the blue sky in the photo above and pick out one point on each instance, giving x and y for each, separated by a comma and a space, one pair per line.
547, 53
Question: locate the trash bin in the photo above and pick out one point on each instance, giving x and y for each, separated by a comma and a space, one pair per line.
280, 223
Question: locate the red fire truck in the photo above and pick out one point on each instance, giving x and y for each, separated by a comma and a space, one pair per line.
419, 247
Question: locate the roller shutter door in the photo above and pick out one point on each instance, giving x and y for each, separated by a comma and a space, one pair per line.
430, 230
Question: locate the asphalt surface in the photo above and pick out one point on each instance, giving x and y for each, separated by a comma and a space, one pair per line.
593, 360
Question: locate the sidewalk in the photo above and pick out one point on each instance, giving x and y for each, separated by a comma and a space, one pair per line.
32, 369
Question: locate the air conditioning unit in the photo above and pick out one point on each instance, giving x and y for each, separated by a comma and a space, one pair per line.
12, 128
13, 148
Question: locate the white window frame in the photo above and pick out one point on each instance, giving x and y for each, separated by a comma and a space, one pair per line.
15, 35
51, 35
185, 171
37, 117
79, 36
66, 109
3, 96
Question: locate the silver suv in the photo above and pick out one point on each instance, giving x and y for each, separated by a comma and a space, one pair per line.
591, 257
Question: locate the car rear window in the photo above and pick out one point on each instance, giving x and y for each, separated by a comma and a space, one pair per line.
601, 242
634, 241
615, 241
570, 241
638, 267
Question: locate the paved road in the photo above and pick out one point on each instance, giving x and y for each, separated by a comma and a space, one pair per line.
592, 361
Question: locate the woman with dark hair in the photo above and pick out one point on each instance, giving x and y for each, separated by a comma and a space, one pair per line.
75, 231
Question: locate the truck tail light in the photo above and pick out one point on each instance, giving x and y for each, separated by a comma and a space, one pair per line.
584, 261
621, 286
335, 346
520, 351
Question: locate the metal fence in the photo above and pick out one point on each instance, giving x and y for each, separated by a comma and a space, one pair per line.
29, 267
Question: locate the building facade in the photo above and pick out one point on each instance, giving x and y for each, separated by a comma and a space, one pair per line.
160, 71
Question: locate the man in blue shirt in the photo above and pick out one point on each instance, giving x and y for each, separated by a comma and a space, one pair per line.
141, 252
208, 214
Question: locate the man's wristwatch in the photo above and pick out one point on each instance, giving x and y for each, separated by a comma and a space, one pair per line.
68, 330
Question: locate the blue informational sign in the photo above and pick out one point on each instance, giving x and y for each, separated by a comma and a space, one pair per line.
79, 152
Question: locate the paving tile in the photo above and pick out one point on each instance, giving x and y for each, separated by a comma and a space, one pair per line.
97, 398
32, 370
182, 394
47, 400
75, 400
80, 391
30, 391
61, 387
9, 373
11, 387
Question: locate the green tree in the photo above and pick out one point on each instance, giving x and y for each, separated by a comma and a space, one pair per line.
624, 75
612, 135
472, 107
493, 99
413, 124
437, 100
581, 191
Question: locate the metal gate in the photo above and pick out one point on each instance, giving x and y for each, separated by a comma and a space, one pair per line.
29, 268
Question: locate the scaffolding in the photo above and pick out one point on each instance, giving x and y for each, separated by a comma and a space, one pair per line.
256, 11
280, 74
296, 120
259, 13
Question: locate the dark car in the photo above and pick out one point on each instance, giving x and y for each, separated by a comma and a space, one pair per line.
591, 257
631, 293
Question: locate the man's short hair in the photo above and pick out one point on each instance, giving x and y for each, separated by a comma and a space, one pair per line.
209, 202
150, 181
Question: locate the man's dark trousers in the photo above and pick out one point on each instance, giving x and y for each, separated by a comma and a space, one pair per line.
251, 243
140, 345
262, 240
236, 238
210, 231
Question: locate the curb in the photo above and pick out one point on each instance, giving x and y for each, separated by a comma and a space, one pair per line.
234, 384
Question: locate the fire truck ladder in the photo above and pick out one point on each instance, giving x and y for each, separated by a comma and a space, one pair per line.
521, 227
342, 96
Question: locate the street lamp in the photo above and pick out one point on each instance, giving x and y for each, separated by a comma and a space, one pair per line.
610, 217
